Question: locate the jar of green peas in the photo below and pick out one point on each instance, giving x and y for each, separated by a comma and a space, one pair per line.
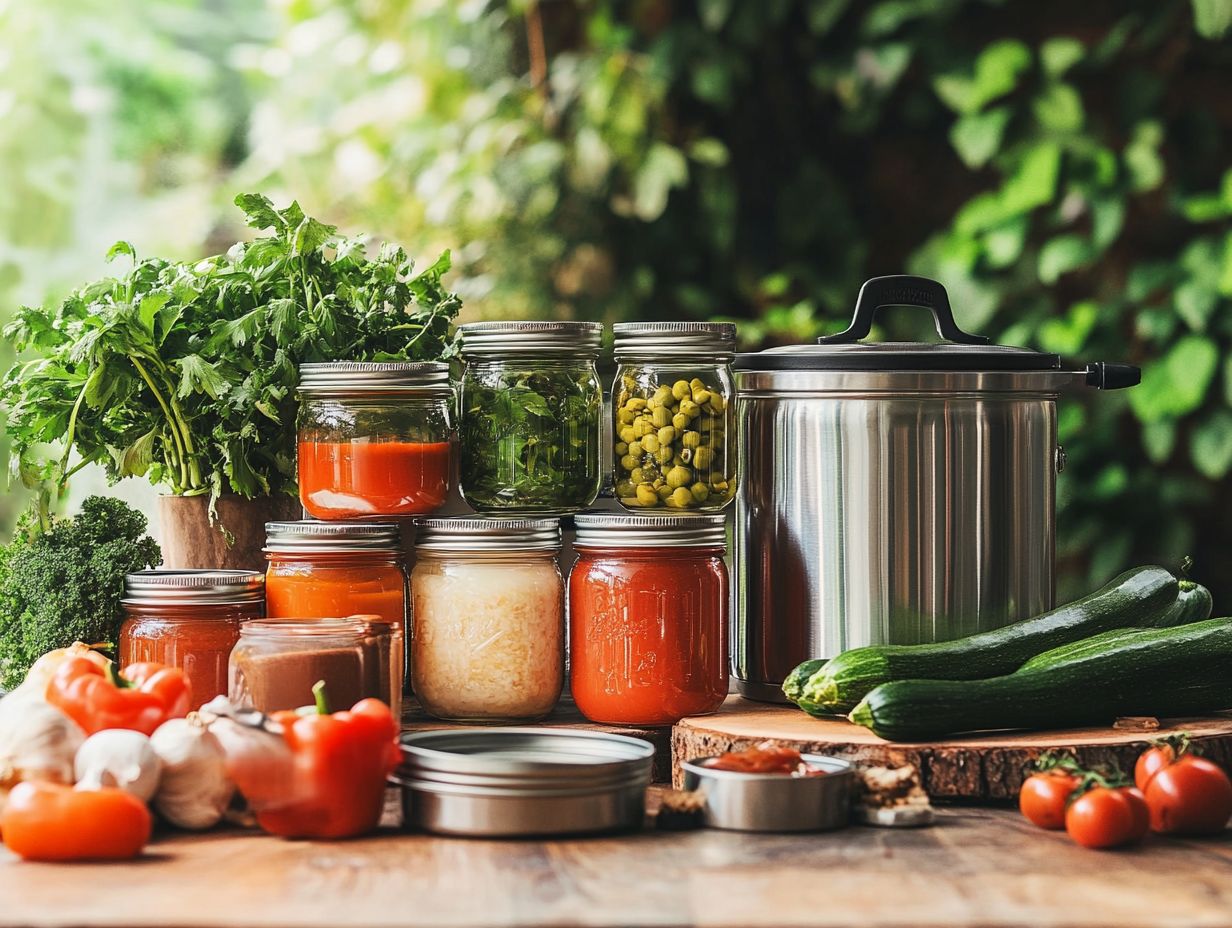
673, 408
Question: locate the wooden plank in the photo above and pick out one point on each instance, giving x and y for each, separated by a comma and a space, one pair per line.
988, 767
976, 868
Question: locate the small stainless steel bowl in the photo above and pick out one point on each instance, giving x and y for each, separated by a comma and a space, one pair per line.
775, 802
512, 782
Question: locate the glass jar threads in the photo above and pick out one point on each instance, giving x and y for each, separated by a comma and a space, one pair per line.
648, 607
531, 409
673, 416
330, 570
189, 619
487, 617
375, 438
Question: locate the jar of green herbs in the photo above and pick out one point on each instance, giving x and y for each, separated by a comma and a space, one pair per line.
673, 409
531, 410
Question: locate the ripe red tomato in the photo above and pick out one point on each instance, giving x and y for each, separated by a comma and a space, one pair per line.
1151, 761
1043, 797
1190, 796
1104, 817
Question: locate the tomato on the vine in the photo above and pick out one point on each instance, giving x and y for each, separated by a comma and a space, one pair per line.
1151, 761
1044, 795
1105, 817
1189, 796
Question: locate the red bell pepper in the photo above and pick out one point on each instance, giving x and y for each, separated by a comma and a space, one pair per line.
341, 763
100, 697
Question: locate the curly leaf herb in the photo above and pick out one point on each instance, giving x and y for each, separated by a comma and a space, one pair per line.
186, 374
530, 439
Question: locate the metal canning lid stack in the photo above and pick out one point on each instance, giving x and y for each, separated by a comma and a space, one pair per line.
490, 534
504, 339
307, 536
191, 587
616, 530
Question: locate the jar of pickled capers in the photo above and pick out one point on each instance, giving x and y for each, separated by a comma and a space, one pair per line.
674, 432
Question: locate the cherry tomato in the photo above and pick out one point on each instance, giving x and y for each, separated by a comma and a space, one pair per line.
1043, 797
1104, 817
1190, 796
48, 821
1150, 762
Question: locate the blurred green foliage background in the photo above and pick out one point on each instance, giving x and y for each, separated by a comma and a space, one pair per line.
1062, 167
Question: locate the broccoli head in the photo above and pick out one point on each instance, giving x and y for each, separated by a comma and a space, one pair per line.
65, 584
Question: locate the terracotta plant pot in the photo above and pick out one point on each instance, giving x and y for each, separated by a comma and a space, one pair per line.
190, 541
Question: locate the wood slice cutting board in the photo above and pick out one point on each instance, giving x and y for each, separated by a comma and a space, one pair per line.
988, 767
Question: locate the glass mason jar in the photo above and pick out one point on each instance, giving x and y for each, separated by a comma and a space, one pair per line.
648, 608
673, 409
375, 439
276, 663
331, 570
531, 410
487, 619
189, 619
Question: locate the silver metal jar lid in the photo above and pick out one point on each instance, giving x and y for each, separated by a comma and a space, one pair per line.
505, 339
309, 536
683, 339
193, 587
345, 377
616, 530
533, 757
487, 535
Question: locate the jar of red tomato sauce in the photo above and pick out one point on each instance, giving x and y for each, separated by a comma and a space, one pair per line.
189, 619
334, 570
648, 606
375, 438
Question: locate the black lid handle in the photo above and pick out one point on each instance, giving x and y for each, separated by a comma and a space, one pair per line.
1107, 375
903, 290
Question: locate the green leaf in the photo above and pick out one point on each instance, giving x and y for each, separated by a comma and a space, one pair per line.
977, 136
1194, 303
1063, 254
995, 74
1212, 18
311, 235
135, 460
260, 212
1210, 445
1033, 184
1060, 54
1107, 220
122, 248
1159, 438
665, 167
1003, 245
1142, 159
1059, 109
1176, 384
1067, 335
196, 373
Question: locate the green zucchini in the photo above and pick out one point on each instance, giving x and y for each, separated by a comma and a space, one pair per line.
1192, 605
1137, 598
793, 686
1163, 672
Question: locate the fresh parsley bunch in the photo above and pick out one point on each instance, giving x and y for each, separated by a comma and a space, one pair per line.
186, 374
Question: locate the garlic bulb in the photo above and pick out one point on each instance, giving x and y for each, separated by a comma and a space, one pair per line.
37, 742
259, 761
120, 758
195, 789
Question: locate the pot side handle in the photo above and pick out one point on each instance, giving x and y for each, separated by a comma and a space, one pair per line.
1107, 375
903, 290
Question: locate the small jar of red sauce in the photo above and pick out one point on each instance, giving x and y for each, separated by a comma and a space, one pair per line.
189, 619
375, 438
648, 605
334, 570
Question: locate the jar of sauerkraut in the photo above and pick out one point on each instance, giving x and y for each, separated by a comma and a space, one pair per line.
487, 619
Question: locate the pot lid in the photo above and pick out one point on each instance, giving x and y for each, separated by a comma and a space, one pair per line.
960, 351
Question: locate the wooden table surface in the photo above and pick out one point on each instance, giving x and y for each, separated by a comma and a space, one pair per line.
977, 867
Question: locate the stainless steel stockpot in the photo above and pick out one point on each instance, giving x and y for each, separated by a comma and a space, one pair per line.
897, 492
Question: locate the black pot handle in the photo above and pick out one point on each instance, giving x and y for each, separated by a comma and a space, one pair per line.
903, 290
1107, 375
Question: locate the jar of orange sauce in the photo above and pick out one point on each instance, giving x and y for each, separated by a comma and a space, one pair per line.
334, 570
189, 619
374, 438
648, 608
